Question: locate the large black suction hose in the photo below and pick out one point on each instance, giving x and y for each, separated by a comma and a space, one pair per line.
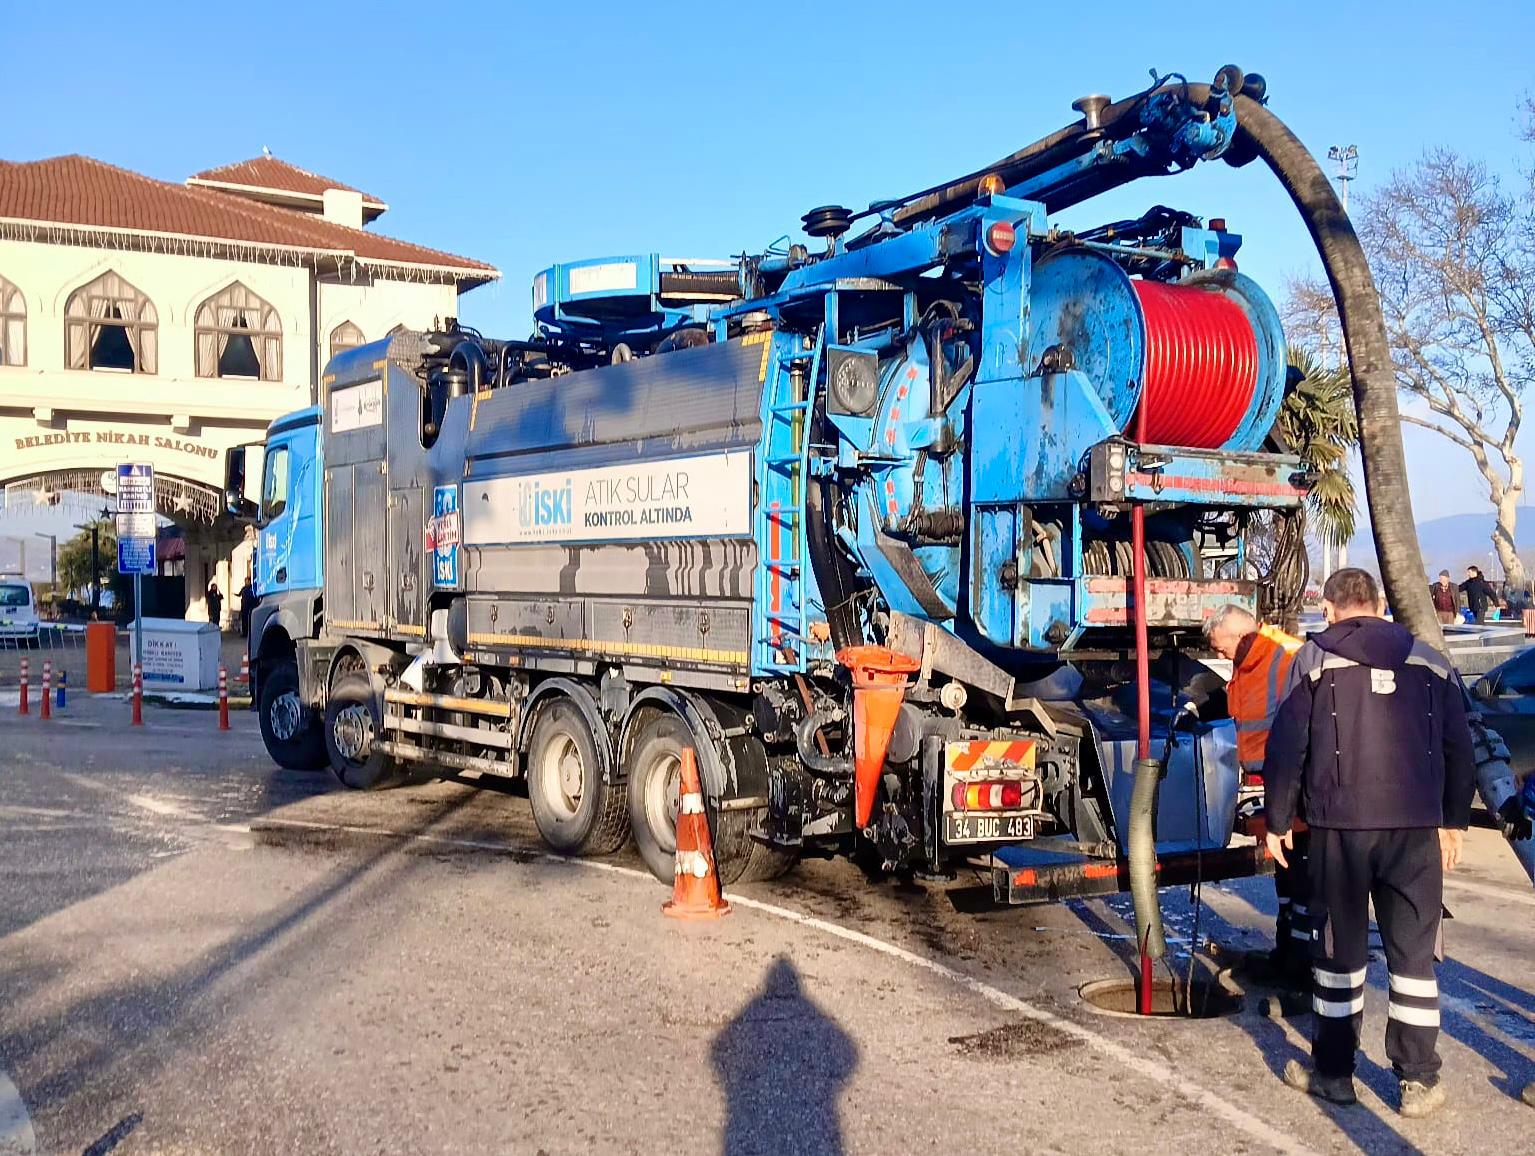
1369, 355
1141, 849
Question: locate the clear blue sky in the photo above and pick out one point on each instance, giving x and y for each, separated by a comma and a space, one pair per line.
524, 134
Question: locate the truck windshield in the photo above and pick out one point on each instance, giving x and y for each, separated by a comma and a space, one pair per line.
12, 595
274, 488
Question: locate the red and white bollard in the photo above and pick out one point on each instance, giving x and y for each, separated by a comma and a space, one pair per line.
223, 698
245, 673
25, 667
138, 695
47, 710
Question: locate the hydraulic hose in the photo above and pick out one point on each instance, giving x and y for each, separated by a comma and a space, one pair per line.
826, 766
1141, 847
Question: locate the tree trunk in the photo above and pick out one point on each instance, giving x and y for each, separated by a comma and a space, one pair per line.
1369, 355
1503, 537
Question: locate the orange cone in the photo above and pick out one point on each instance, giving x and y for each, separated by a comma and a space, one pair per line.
880, 676
696, 884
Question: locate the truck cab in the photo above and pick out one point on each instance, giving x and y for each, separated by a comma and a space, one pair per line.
288, 578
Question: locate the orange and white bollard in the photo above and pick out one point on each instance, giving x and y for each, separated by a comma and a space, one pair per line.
245, 673
138, 695
223, 697
25, 667
47, 707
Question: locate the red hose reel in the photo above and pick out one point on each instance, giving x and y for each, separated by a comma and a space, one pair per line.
1201, 366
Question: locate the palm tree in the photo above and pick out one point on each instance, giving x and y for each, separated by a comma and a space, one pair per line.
1318, 422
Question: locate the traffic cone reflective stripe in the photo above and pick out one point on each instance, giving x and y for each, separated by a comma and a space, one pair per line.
138, 695
25, 665
696, 883
47, 712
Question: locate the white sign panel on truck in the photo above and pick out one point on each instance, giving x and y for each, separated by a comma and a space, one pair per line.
707, 496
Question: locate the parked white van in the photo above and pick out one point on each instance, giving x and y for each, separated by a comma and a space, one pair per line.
18, 611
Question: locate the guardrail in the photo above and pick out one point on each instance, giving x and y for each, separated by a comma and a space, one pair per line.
50, 636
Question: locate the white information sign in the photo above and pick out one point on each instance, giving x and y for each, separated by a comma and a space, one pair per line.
708, 496
357, 407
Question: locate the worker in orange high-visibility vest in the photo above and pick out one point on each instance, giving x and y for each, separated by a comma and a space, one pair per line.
1260, 659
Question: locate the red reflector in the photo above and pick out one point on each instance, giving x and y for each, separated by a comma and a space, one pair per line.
1003, 796
1225, 263
1001, 237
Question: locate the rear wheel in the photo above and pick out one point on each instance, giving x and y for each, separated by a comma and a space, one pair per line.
289, 729
353, 721
576, 812
654, 773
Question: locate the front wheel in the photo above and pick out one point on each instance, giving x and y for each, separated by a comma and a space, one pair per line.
576, 812
289, 728
353, 721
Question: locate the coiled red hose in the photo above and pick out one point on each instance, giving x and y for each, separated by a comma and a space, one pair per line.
1201, 365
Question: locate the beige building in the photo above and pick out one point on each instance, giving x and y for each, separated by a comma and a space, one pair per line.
148, 321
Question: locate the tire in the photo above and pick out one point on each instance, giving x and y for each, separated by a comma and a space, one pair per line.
653, 772
289, 729
353, 718
575, 811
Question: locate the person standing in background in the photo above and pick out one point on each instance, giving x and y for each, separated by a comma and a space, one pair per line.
248, 602
1446, 599
215, 605
1479, 593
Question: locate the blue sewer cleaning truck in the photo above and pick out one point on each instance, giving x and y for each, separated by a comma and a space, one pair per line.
908, 530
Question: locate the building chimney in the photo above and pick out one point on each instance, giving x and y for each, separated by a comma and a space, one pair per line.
342, 207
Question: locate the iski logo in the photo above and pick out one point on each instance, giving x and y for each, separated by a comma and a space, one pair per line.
542, 505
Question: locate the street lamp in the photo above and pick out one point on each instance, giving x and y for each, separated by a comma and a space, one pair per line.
1345, 159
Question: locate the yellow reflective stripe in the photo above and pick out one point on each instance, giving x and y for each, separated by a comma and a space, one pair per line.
338, 624
627, 649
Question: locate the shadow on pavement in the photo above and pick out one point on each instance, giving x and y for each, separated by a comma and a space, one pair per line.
106, 1044
782, 1063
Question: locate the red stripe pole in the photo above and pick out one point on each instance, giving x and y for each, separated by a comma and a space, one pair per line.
47, 711
138, 695
245, 672
25, 667
1142, 682
223, 698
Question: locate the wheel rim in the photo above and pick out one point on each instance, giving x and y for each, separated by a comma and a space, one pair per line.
562, 775
352, 731
662, 799
284, 715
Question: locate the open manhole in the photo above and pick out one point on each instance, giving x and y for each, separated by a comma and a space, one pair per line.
1170, 999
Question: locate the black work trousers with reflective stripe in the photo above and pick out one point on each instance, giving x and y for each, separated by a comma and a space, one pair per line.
1292, 930
1403, 873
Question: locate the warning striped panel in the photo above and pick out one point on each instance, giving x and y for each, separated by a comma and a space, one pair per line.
967, 756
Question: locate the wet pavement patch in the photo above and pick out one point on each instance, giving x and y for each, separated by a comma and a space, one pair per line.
1014, 1041
1170, 999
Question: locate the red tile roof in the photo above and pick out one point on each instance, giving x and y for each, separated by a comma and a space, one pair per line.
82, 191
266, 172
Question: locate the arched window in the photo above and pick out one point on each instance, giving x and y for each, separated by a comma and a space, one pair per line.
345, 336
13, 325
238, 335
108, 324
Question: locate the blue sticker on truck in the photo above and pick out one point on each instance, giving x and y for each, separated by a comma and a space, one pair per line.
443, 535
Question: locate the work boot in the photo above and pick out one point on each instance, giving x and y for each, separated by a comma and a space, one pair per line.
1333, 1089
1420, 1099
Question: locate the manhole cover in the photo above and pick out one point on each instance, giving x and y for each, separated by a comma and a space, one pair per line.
1170, 999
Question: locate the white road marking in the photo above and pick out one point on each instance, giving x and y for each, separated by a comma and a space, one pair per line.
1142, 1065
16, 1135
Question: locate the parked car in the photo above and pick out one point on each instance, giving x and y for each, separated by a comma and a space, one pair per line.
1506, 695
18, 611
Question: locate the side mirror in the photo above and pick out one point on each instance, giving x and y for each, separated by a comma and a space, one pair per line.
235, 501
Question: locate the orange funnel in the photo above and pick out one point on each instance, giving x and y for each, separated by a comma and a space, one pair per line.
879, 688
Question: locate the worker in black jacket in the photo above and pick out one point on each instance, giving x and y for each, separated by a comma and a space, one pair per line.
1373, 736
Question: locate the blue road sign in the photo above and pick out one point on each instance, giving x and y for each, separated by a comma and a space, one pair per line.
135, 555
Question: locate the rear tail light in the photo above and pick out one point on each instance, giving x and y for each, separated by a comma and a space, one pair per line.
1006, 795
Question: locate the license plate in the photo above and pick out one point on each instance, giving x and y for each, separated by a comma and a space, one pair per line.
965, 827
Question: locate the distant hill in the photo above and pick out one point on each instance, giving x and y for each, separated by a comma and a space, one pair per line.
1454, 542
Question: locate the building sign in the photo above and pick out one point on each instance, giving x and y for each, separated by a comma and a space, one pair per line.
708, 496
443, 535
357, 406
116, 437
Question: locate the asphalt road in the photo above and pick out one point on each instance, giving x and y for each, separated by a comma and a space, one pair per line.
200, 953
